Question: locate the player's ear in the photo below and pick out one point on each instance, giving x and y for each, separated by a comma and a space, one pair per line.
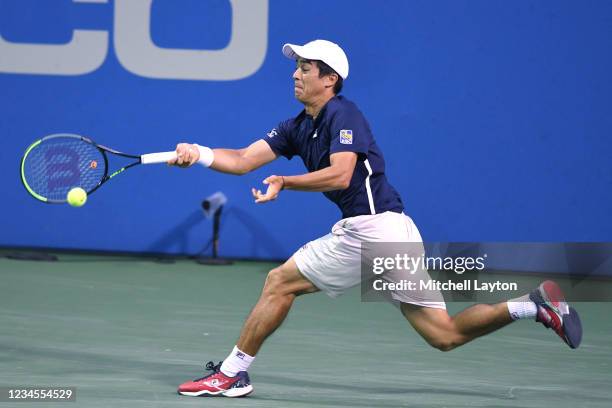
330, 80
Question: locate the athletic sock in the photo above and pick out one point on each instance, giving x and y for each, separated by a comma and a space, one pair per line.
236, 361
522, 308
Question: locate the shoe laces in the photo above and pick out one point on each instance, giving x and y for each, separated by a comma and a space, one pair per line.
545, 316
211, 366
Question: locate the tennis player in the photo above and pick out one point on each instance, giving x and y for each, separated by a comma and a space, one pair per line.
334, 140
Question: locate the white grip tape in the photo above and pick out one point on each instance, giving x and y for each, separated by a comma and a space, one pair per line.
154, 158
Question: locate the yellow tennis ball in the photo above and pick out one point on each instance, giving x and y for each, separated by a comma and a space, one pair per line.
77, 197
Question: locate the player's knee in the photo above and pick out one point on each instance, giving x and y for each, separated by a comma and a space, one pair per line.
443, 343
274, 282
445, 346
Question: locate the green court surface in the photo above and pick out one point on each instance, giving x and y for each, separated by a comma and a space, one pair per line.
126, 331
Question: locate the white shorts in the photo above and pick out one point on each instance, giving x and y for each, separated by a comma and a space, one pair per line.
333, 262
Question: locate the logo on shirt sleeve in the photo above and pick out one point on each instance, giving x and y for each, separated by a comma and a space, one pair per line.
346, 136
272, 133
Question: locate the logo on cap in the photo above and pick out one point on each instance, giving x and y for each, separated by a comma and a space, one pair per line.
346, 136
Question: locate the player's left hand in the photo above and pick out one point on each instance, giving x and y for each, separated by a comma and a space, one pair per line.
275, 185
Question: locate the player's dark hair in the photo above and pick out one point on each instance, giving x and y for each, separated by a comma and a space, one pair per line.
325, 69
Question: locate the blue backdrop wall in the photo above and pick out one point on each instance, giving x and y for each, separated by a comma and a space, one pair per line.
494, 116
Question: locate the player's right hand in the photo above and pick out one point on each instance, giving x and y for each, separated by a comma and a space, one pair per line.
186, 155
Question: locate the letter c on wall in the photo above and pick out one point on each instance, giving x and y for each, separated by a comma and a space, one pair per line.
85, 53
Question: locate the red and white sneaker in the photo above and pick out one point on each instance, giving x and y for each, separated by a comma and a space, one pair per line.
556, 314
217, 383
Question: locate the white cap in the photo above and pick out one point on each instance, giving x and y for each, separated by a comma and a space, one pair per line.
323, 50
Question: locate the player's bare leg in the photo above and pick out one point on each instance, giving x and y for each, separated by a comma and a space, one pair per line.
282, 286
230, 378
446, 332
545, 304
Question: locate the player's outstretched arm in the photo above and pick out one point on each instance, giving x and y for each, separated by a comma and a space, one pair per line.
232, 161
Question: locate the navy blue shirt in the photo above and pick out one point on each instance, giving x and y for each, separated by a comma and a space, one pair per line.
340, 127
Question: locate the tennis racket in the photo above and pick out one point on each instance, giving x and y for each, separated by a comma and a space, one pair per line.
55, 164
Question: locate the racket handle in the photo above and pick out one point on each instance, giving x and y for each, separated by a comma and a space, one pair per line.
154, 158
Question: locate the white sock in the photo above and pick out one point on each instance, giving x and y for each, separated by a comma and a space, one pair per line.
522, 308
236, 361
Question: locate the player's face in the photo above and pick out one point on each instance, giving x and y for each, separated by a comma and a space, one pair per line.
307, 84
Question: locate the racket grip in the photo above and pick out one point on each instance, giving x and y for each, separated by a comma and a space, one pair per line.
154, 158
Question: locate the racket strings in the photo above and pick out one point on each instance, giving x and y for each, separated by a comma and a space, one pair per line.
57, 165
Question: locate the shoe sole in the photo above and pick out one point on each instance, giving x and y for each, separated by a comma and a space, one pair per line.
572, 326
231, 393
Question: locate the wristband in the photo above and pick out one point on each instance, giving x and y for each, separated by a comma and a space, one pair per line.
206, 156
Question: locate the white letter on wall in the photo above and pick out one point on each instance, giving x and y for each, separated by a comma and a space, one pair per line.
242, 57
85, 52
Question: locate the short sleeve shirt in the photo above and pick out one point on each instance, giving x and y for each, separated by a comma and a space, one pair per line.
340, 127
